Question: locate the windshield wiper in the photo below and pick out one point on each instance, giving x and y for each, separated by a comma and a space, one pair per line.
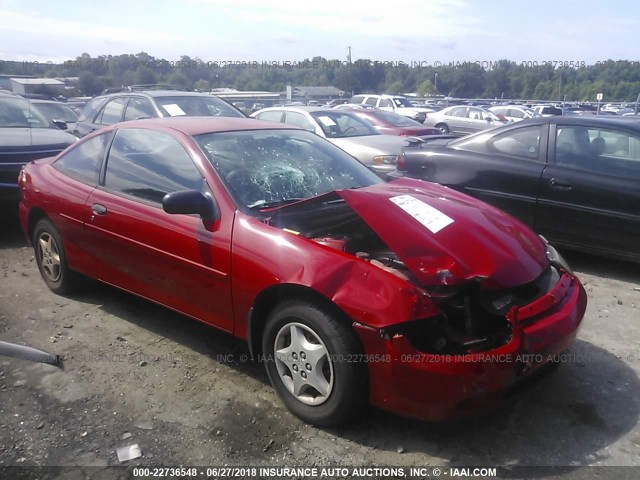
263, 205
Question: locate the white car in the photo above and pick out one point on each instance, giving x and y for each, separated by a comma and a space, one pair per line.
514, 113
393, 103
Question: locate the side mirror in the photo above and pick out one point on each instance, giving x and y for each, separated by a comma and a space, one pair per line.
191, 201
61, 124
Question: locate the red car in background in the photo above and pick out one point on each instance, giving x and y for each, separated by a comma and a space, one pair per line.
389, 123
414, 297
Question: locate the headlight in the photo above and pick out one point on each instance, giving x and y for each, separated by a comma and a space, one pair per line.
388, 159
554, 257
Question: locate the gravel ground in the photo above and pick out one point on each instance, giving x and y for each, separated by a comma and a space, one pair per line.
136, 373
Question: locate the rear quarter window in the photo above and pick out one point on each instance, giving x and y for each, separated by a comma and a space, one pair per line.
83, 162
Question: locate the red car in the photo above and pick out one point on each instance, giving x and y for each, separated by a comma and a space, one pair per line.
419, 299
389, 123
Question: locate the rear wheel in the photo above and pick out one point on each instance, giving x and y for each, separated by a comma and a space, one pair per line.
311, 359
443, 128
51, 259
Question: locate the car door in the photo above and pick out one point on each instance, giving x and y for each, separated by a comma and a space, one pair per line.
77, 172
111, 113
476, 121
179, 261
503, 170
589, 192
457, 120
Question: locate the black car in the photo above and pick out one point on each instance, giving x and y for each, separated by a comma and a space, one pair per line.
57, 112
122, 106
25, 135
575, 180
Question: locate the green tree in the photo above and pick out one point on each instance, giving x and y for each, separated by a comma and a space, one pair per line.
426, 88
395, 88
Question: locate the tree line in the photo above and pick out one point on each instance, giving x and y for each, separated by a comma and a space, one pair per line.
617, 80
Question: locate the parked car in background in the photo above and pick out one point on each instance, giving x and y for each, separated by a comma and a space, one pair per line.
57, 112
393, 103
574, 179
108, 109
463, 120
345, 129
25, 135
514, 113
390, 123
360, 106
547, 110
346, 287
336, 101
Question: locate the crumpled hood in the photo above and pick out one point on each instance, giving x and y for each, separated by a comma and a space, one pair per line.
445, 237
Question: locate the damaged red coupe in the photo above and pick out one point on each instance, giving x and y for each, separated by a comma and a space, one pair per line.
408, 295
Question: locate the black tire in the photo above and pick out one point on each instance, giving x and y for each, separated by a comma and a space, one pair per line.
51, 259
443, 128
345, 372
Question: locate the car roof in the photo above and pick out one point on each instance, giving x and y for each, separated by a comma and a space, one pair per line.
199, 125
306, 108
156, 93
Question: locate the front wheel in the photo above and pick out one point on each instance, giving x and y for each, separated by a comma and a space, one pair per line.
51, 259
443, 128
312, 361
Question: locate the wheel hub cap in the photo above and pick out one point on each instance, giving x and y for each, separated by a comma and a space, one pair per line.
49, 257
303, 363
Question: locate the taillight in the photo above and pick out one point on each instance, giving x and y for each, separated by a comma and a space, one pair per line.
401, 162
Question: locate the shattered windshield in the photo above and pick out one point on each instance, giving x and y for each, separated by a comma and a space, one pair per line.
269, 168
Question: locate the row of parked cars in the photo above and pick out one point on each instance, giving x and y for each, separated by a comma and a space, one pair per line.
270, 229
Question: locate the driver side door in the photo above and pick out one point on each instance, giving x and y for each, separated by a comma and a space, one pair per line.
179, 261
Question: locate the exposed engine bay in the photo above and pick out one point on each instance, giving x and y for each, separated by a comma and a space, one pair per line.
473, 318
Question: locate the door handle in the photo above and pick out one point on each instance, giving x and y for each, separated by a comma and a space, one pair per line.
559, 184
98, 209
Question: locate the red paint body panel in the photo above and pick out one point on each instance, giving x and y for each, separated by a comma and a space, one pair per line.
437, 387
215, 271
482, 241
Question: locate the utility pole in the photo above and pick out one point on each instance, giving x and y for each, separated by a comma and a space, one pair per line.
350, 83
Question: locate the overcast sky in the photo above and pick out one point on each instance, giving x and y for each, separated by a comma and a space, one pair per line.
278, 30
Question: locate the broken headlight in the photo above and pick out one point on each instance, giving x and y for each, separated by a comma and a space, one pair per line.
554, 256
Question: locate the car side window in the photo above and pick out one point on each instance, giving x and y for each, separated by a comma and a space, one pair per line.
271, 116
139, 107
112, 111
84, 161
372, 101
476, 114
458, 112
523, 142
515, 113
299, 120
149, 164
385, 102
611, 152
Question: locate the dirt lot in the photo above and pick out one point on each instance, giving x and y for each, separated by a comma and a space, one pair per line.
137, 373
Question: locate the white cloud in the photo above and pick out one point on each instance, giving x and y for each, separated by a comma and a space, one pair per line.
12, 21
420, 18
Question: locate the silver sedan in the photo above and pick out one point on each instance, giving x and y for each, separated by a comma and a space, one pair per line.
463, 119
346, 130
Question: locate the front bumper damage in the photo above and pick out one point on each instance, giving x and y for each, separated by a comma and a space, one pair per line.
439, 386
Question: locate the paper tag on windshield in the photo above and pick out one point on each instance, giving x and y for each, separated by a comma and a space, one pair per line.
327, 121
430, 217
173, 110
